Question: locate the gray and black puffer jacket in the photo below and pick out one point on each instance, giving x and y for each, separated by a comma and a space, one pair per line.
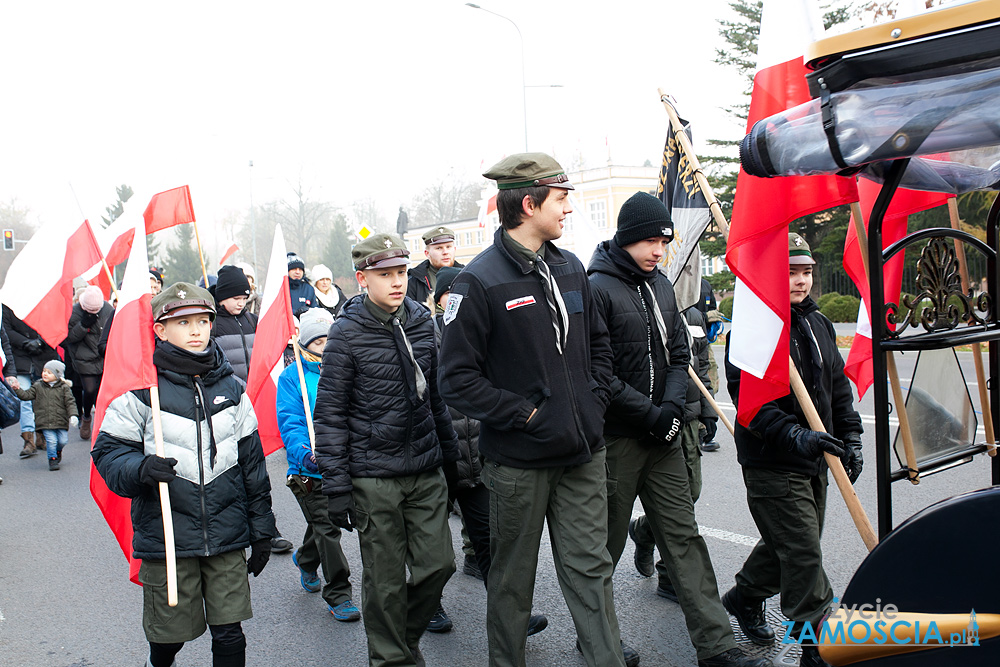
221, 497
234, 335
369, 420
644, 377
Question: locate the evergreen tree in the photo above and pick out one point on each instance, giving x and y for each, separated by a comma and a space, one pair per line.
181, 262
337, 253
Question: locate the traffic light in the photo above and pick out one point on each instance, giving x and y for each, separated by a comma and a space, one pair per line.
8, 239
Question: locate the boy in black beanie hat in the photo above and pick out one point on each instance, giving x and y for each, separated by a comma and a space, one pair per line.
645, 420
234, 327
302, 294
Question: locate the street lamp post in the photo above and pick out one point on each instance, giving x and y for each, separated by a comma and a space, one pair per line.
524, 98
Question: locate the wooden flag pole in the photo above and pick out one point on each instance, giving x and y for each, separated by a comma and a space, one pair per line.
912, 473
168, 522
857, 512
699, 175
711, 399
201, 255
305, 394
111, 277
977, 350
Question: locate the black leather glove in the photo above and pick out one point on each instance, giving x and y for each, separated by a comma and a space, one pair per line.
155, 469
852, 459
711, 428
260, 553
342, 511
668, 425
88, 319
309, 463
32, 346
812, 444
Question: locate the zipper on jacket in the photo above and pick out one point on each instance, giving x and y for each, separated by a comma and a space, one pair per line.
243, 338
199, 407
649, 342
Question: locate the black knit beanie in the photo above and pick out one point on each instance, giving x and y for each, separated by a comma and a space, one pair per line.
232, 282
295, 262
445, 277
642, 217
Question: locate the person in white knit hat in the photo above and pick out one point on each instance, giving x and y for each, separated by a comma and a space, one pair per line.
330, 296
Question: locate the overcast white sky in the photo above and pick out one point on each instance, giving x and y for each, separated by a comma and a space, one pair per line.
363, 99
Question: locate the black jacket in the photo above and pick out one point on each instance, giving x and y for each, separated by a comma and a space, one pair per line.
418, 284
234, 335
86, 356
499, 359
20, 335
696, 406
467, 471
9, 368
643, 377
215, 509
369, 420
303, 296
765, 444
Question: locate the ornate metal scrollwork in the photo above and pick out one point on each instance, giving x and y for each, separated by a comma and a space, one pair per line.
940, 303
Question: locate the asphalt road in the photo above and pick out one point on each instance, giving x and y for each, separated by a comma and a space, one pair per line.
65, 598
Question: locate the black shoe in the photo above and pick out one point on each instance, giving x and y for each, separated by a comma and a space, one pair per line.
734, 657
750, 616
59, 456
53, 464
537, 623
711, 446
440, 621
665, 590
630, 654
471, 568
280, 545
810, 657
643, 552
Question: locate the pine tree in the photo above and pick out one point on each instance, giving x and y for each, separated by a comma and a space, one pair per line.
181, 262
337, 253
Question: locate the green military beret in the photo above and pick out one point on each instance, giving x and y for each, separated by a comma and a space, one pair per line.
182, 299
379, 251
798, 250
438, 235
525, 170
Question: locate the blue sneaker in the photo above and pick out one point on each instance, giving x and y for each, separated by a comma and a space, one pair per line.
310, 580
345, 611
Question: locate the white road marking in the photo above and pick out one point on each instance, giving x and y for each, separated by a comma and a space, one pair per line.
736, 538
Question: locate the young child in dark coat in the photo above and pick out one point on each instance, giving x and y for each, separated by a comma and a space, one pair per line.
54, 408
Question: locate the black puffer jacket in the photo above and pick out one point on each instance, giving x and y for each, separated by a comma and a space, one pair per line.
87, 357
234, 336
466, 472
369, 421
20, 335
696, 406
499, 359
215, 509
765, 443
643, 378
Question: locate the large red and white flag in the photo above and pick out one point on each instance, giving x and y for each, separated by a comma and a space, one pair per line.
230, 251
115, 242
128, 365
169, 208
274, 329
43, 297
904, 203
758, 242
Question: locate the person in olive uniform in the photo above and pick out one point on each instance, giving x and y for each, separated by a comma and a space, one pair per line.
525, 352
785, 473
646, 421
383, 433
439, 248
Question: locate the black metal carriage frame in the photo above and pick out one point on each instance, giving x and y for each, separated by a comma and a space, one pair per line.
945, 327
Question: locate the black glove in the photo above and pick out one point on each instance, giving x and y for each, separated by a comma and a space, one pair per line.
155, 469
260, 553
711, 428
342, 511
852, 459
668, 424
88, 319
32, 346
812, 444
309, 463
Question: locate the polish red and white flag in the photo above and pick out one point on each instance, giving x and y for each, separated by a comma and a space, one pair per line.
169, 208
230, 251
128, 365
758, 242
39, 284
274, 329
858, 366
